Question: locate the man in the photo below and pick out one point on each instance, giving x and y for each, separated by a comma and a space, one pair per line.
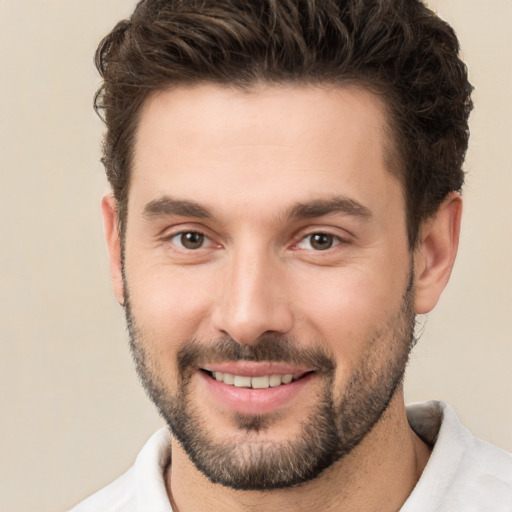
286, 198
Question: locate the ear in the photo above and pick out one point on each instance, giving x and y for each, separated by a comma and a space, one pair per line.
109, 211
435, 254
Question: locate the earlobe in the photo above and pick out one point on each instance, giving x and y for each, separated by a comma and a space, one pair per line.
435, 254
109, 211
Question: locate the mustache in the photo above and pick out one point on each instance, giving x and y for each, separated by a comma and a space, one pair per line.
280, 349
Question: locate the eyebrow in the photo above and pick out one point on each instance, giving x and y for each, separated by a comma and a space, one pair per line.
166, 206
321, 207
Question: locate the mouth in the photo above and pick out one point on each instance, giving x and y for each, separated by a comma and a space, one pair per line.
254, 388
255, 382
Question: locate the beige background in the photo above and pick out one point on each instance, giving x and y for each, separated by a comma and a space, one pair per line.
72, 413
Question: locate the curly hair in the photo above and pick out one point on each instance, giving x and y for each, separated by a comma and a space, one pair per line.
398, 49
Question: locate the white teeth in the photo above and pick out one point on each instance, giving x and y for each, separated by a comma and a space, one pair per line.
242, 382
228, 378
262, 382
275, 380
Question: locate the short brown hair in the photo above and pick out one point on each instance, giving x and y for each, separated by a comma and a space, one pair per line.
396, 48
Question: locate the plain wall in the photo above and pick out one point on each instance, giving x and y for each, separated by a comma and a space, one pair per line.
73, 414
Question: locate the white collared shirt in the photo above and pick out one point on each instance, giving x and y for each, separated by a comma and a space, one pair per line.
463, 474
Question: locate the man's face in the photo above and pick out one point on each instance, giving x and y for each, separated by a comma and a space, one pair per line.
266, 242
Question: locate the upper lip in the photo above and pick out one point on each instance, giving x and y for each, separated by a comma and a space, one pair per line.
255, 369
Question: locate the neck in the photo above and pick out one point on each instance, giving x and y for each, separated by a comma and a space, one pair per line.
378, 475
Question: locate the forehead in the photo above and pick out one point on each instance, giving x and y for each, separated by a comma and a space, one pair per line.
269, 145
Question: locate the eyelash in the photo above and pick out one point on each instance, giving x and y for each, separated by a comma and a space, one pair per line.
181, 234
334, 241
177, 240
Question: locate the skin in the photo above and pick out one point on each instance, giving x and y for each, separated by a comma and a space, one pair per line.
249, 158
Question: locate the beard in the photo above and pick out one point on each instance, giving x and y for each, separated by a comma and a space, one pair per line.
339, 420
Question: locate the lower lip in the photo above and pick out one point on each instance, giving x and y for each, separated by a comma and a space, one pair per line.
254, 401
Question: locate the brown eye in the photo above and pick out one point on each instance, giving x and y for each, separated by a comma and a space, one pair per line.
189, 240
319, 242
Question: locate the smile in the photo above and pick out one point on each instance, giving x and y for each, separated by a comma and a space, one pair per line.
259, 382
254, 388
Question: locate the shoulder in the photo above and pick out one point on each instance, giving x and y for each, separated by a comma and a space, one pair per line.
142, 487
118, 496
485, 473
464, 473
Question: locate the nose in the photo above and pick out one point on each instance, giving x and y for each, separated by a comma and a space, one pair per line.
252, 299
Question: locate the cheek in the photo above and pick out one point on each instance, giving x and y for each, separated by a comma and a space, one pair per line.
346, 309
168, 303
